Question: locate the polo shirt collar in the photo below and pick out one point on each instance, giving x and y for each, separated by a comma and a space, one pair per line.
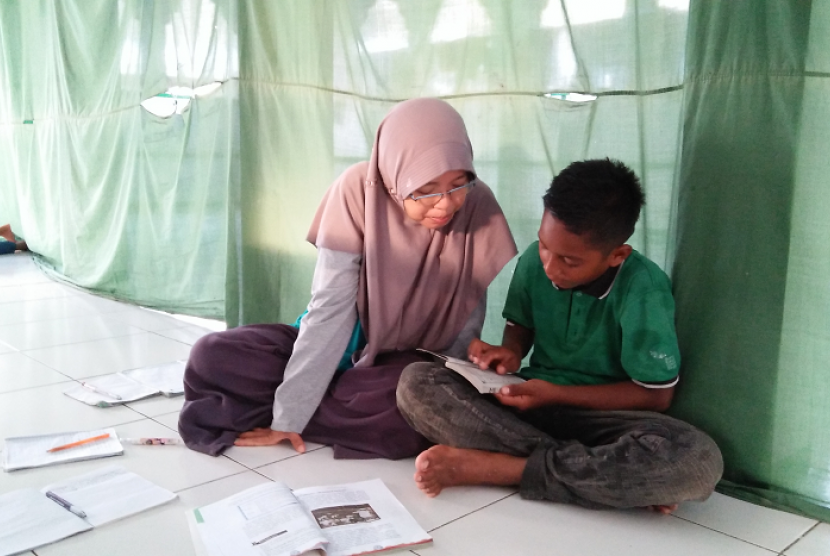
601, 287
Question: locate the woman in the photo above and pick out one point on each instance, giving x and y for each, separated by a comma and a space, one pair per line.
407, 245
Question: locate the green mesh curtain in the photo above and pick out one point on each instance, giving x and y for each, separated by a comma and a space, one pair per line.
112, 197
204, 209
316, 79
752, 264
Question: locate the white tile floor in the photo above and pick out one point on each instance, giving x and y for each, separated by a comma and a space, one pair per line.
51, 334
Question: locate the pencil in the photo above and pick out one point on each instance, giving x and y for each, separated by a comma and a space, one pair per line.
78, 443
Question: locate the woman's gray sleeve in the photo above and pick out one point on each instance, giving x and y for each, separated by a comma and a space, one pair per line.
472, 329
324, 334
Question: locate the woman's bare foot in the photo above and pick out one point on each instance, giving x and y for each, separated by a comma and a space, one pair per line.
443, 466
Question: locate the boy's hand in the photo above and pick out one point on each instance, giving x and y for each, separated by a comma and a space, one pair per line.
499, 358
527, 395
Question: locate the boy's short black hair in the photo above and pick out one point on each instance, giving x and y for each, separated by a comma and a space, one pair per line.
598, 198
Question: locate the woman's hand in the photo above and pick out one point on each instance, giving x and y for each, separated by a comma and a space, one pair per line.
269, 437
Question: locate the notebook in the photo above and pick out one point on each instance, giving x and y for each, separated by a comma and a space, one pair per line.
23, 452
29, 518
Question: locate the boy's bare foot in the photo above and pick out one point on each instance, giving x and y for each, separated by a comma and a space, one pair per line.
443, 466
664, 509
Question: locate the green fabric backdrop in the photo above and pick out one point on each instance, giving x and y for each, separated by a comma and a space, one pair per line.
205, 211
315, 82
751, 267
111, 197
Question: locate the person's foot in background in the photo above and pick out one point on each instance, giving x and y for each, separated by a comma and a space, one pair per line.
7, 234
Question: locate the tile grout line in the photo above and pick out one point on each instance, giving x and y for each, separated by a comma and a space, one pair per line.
156, 332
771, 550
79, 342
217, 479
472, 512
807, 532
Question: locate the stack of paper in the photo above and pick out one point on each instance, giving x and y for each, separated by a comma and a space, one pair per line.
131, 385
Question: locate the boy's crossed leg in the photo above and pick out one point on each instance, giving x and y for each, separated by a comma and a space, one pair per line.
616, 459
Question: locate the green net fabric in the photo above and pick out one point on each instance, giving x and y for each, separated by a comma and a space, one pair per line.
202, 207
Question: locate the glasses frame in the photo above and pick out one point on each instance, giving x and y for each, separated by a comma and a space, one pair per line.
438, 196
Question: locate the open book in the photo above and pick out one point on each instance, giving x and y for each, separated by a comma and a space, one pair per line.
30, 518
131, 385
273, 520
23, 452
485, 381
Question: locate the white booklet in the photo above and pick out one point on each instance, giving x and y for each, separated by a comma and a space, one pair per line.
131, 385
23, 452
486, 381
272, 520
30, 518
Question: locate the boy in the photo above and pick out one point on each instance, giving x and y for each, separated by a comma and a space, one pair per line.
585, 428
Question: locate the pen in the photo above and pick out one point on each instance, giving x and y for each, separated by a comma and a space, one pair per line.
89, 386
78, 443
268, 538
63, 503
151, 441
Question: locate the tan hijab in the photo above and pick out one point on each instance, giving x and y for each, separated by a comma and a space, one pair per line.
417, 286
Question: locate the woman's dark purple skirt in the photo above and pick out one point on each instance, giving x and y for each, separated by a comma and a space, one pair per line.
229, 386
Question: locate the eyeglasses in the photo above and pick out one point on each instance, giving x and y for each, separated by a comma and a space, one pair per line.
457, 194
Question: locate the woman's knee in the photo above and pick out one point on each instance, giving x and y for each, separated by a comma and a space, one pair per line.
206, 346
206, 356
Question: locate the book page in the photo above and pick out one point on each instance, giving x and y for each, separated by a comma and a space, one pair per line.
167, 379
28, 520
266, 520
129, 390
359, 518
110, 493
485, 381
31, 451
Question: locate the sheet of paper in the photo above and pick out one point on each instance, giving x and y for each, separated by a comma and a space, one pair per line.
167, 379
361, 517
263, 520
110, 493
129, 390
31, 451
28, 520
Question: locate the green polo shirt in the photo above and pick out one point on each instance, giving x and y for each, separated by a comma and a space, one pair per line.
585, 337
